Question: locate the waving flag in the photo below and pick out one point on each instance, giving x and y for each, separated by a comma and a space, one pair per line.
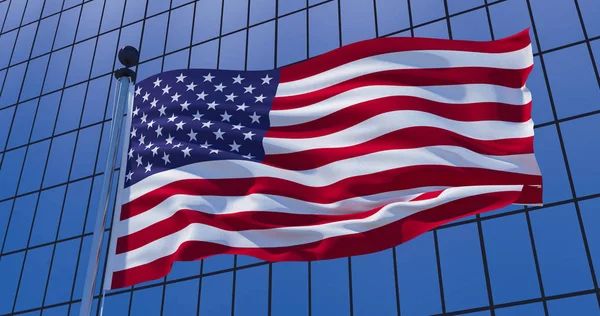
348, 153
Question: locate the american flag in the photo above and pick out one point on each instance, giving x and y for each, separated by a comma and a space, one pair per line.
352, 152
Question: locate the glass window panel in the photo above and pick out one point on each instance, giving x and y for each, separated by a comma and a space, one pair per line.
233, 48
90, 16
392, 16
572, 80
113, 11
45, 36
323, 29
7, 41
552, 165
47, 216
75, 208
218, 262
3, 8
57, 70
34, 77
510, 259
205, 55
67, 27
182, 269
291, 39
52, 7
116, 304
373, 287
353, 11
290, 6
235, 15
246, 260
591, 222
56, 311
552, 34
208, 20
85, 152
81, 270
70, 108
541, 110
471, 26
590, 12
290, 289
434, 30
261, 10
177, 60
105, 51
180, 2
94, 199
33, 169
329, 287
35, 274
15, 13
562, 257
511, 17
153, 43
215, 298
455, 6
81, 61
134, 10
157, 6
462, 268
59, 159
103, 152
581, 138
24, 43
4, 215
147, 302
96, 100
10, 269
12, 85
427, 10
9, 173
261, 46
145, 70
180, 28
20, 223
22, 124
582, 305
6, 117
45, 119
181, 298
533, 309
252, 291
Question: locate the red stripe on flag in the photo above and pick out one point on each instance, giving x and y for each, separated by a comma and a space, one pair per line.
385, 181
379, 46
409, 138
341, 246
511, 78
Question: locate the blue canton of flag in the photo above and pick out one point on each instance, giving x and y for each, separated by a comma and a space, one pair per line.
193, 115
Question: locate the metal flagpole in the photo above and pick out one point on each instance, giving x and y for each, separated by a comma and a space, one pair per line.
129, 57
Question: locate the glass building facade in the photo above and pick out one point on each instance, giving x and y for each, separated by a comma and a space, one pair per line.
56, 63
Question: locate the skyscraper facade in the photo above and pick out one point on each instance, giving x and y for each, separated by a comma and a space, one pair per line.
56, 95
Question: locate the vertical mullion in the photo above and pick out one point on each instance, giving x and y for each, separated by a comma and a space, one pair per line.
439, 268
410, 19
588, 44
564, 152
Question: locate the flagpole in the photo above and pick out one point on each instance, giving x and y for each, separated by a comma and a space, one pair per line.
129, 57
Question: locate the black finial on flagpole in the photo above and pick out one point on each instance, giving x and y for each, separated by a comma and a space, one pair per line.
129, 57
